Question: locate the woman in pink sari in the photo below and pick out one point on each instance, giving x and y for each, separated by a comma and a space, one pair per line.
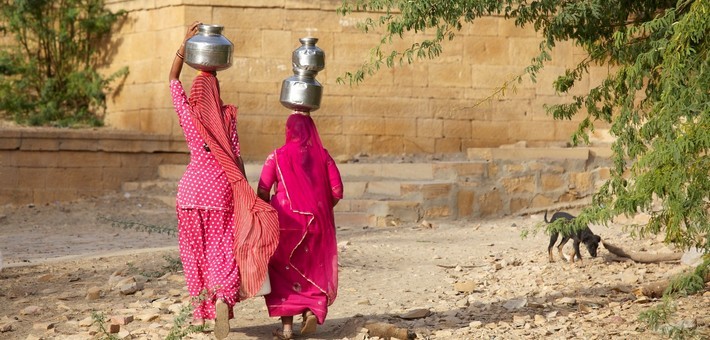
304, 269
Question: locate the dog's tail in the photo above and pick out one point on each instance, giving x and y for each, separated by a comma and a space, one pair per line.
545, 217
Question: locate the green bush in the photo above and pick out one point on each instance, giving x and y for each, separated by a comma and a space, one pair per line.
48, 74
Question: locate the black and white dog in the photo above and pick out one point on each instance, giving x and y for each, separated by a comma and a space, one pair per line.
586, 236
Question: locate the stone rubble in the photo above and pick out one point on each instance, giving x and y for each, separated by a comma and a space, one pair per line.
404, 282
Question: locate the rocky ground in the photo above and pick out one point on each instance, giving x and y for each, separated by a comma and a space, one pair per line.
67, 265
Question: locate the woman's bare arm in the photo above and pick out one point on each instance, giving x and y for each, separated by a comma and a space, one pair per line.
176, 69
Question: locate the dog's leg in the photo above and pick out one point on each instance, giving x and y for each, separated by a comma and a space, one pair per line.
576, 253
553, 239
561, 245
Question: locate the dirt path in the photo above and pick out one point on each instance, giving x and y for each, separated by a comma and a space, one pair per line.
467, 280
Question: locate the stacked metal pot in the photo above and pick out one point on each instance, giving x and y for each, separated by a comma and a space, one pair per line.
302, 92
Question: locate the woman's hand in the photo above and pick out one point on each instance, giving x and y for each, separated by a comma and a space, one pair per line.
191, 31
180, 53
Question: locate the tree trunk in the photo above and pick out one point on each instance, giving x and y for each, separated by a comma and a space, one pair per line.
656, 289
642, 257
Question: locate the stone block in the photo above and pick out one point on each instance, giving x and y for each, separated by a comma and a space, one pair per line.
551, 182
530, 131
491, 50
419, 145
357, 144
508, 28
391, 107
361, 125
493, 133
247, 43
273, 125
492, 77
541, 201
437, 211
329, 125
39, 159
384, 188
334, 106
408, 171
274, 44
9, 142
455, 74
78, 144
602, 174
250, 17
353, 219
515, 169
90, 178
518, 204
387, 145
350, 171
269, 70
9, 176
521, 50
582, 182
354, 189
437, 191
336, 144
468, 171
249, 124
457, 128
483, 26
400, 127
430, 127
44, 196
447, 145
39, 144
491, 204
523, 184
464, 202
417, 75
484, 154
15, 195
521, 154
353, 47
344, 204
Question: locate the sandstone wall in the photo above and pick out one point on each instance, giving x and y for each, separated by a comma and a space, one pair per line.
46, 165
428, 107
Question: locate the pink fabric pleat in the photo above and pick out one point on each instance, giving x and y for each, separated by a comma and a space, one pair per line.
256, 222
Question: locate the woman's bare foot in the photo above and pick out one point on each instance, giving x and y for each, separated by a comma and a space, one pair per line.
221, 321
282, 334
309, 324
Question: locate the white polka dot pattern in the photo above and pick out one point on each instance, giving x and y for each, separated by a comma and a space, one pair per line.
205, 219
204, 183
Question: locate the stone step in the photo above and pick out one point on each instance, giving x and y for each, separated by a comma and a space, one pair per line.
385, 190
353, 219
513, 154
375, 213
348, 171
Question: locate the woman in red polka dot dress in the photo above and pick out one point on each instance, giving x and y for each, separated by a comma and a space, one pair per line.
205, 209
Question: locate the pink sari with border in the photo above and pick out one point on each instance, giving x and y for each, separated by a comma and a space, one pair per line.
304, 268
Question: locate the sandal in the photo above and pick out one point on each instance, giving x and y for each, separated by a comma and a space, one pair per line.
221, 321
282, 335
309, 324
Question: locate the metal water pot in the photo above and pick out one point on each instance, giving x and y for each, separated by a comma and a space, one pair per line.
302, 92
209, 50
308, 56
